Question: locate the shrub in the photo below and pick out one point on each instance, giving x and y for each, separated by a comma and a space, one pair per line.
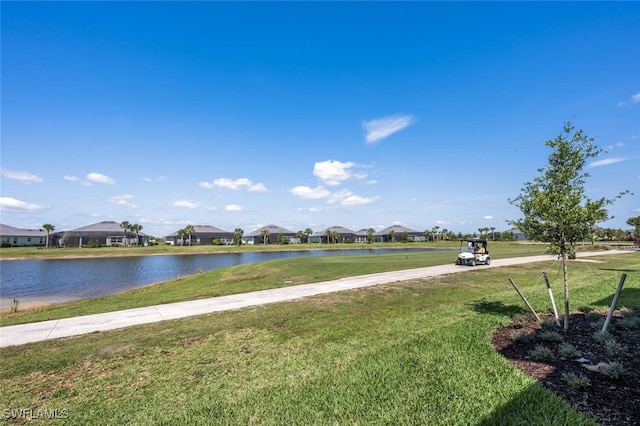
576, 381
615, 349
520, 320
567, 350
612, 370
93, 244
630, 322
5, 244
541, 353
551, 336
519, 337
602, 336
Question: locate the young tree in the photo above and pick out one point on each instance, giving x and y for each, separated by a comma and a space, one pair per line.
48, 227
554, 204
370, 233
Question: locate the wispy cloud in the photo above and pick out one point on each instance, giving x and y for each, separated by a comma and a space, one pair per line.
125, 200
382, 128
635, 98
606, 162
100, 178
233, 208
235, 185
24, 177
186, 204
310, 193
91, 178
347, 198
333, 172
14, 205
158, 179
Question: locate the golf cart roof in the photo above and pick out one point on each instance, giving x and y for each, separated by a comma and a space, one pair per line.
475, 240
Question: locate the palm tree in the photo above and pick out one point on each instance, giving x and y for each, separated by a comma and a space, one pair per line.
392, 234
328, 233
265, 235
125, 226
189, 229
300, 236
136, 229
181, 234
237, 236
307, 234
48, 227
370, 233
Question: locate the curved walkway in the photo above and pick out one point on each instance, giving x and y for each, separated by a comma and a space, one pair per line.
53, 329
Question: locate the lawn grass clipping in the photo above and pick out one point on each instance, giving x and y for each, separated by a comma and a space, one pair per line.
416, 352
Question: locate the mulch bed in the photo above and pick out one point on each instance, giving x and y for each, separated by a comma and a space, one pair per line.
611, 401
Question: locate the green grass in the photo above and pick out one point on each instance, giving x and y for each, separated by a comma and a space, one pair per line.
257, 276
416, 352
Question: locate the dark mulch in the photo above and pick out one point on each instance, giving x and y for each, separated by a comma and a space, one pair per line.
610, 401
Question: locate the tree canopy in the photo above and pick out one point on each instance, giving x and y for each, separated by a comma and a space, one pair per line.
554, 205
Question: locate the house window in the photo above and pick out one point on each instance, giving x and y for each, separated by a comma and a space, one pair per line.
29, 239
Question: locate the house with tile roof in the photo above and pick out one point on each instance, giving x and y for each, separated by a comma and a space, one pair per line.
201, 235
270, 234
11, 236
343, 235
397, 233
107, 233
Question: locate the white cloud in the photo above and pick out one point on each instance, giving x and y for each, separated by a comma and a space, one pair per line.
335, 172
24, 177
235, 185
310, 193
347, 198
605, 162
158, 179
91, 178
487, 217
123, 200
382, 128
14, 205
100, 178
636, 97
233, 208
184, 203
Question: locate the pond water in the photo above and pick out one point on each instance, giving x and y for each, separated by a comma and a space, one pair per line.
61, 280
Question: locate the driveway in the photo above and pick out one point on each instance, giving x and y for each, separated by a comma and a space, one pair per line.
53, 329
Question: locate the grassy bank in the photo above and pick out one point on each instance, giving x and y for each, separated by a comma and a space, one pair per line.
415, 352
258, 276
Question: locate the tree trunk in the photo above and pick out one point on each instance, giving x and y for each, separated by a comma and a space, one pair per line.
566, 290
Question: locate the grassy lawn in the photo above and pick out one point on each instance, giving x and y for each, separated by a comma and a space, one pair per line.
416, 352
258, 276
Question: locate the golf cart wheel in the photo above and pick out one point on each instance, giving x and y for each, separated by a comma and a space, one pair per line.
488, 261
473, 262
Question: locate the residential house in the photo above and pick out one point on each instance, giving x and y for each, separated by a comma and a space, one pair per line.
107, 233
12, 236
343, 235
398, 233
271, 234
201, 235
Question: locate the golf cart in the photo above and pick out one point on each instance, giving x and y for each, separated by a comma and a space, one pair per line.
473, 251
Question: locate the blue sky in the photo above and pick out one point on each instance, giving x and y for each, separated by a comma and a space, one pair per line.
308, 114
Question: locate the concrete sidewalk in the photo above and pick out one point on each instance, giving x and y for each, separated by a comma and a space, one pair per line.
34, 332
